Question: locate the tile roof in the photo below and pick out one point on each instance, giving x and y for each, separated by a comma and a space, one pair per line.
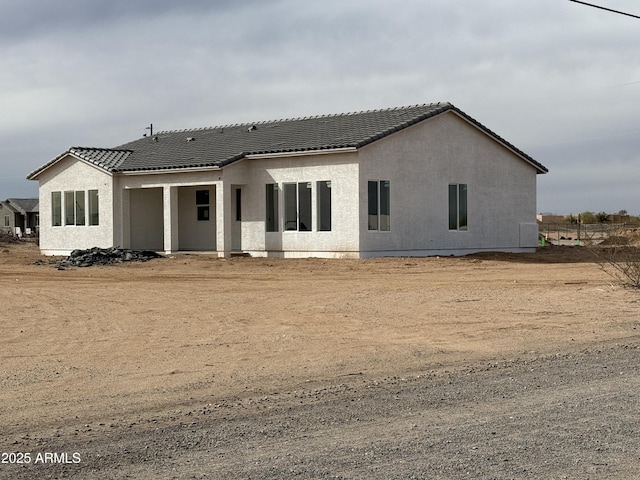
220, 146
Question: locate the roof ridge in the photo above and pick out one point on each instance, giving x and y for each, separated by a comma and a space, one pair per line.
310, 117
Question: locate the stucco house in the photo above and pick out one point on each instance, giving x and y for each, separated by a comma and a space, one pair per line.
19, 216
408, 181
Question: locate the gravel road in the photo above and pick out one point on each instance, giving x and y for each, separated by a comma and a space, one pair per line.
572, 415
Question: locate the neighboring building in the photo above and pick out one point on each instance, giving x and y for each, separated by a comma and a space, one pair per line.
408, 181
19, 216
551, 218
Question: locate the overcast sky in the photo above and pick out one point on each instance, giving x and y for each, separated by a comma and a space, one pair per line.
558, 79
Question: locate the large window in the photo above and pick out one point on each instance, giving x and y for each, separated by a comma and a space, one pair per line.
297, 206
379, 205
272, 207
324, 206
56, 209
74, 208
458, 206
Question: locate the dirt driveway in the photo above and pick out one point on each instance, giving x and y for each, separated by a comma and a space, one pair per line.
488, 366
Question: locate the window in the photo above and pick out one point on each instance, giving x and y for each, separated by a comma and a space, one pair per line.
290, 206
79, 208
379, 205
458, 206
7, 221
75, 208
202, 205
94, 218
297, 206
69, 208
56, 209
304, 207
272, 207
238, 204
324, 206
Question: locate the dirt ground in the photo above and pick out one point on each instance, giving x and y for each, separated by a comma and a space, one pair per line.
485, 366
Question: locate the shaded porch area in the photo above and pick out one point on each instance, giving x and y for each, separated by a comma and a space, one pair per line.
187, 218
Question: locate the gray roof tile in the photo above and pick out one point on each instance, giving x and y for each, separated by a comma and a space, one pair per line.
220, 146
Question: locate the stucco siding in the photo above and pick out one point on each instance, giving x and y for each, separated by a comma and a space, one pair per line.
196, 233
71, 174
339, 169
421, 162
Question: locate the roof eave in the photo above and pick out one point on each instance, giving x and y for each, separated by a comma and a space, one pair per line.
159, 170
540, 169
36, 173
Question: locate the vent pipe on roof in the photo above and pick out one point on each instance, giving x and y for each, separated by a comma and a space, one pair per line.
150, 128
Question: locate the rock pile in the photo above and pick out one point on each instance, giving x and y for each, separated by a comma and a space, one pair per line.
105, 256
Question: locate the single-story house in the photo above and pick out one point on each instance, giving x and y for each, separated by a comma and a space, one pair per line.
408, 181
19, 216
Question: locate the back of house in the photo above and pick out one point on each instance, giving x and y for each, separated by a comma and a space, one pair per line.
407, 181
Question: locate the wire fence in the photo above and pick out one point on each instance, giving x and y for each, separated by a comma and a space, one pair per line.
579, 233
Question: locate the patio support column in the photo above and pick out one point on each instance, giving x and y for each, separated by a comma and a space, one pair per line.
223, 219
170, 215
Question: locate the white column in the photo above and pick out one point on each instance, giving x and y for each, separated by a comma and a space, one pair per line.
170, 215
223, 219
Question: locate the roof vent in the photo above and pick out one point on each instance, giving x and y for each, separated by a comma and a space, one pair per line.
252, 128
191, 139
155, 139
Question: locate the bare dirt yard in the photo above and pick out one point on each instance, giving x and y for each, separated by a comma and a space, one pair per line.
491, 366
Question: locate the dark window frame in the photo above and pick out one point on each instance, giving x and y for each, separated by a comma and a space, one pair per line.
379, 205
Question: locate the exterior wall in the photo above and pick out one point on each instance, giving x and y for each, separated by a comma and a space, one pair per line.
196, 234
146, 216
72, 174
339, 168
420, 162
7, 211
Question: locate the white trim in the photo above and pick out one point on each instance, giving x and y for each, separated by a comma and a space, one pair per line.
300, 153
170, 170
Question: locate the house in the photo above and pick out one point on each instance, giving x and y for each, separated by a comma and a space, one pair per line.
19, 216
408, 181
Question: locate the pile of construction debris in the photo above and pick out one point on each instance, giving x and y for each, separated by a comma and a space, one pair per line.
104, 256
9, 238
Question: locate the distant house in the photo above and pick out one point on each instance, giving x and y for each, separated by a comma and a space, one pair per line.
408, 181
19, 216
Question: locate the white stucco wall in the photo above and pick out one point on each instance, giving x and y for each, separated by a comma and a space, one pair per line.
420, 162
339, 168
71, 174
196, 234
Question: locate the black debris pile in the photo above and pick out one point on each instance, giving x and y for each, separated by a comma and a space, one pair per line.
9, 238
105, 256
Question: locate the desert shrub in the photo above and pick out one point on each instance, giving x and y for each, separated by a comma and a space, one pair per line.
619, 256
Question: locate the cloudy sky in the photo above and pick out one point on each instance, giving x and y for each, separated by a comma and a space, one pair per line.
558, 79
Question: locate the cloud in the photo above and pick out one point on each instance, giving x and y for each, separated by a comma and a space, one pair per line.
557, 79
